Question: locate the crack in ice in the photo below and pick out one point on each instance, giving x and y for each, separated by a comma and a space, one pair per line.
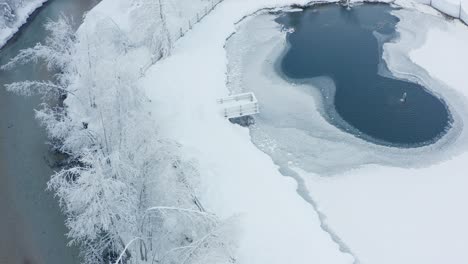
305, 194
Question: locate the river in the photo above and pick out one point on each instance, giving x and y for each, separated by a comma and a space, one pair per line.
32, 229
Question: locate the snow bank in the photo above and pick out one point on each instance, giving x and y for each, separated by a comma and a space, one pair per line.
22, 14
277, 225
452, 38
449, 7
464, 11
453, 8
426, 2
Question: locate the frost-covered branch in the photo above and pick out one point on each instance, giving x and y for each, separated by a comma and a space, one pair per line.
57, 51
119, 260
181, 210
29, 88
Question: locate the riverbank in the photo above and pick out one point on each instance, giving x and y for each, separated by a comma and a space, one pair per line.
23, 14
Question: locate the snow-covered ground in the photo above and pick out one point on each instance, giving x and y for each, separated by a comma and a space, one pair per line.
449, 7
18, 17
384, 214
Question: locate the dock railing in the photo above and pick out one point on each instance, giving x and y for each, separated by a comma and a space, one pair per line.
239, 105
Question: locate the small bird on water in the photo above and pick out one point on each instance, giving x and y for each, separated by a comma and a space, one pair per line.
403, 98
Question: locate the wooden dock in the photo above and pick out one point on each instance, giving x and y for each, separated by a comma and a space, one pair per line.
239, 105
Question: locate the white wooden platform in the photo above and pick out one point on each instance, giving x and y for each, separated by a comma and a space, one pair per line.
239, 105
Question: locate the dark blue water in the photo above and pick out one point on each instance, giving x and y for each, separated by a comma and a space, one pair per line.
341, 44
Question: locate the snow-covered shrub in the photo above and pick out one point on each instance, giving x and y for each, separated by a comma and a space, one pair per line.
129, 195
158, 23
7, 14
9, 11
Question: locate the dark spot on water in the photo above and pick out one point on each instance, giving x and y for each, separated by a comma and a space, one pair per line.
342, 44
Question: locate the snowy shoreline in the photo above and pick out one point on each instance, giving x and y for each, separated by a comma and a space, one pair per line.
23, 15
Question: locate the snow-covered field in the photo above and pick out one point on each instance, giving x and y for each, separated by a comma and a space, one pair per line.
18, 17
411, 213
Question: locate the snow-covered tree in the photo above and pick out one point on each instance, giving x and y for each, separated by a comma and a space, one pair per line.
7, 13
154, 33
129, 195
57, 52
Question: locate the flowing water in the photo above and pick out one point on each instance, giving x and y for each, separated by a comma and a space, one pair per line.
32, 227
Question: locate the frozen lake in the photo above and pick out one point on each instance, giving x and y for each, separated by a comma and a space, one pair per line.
328, 102
32, 229
384, 197
339, 52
